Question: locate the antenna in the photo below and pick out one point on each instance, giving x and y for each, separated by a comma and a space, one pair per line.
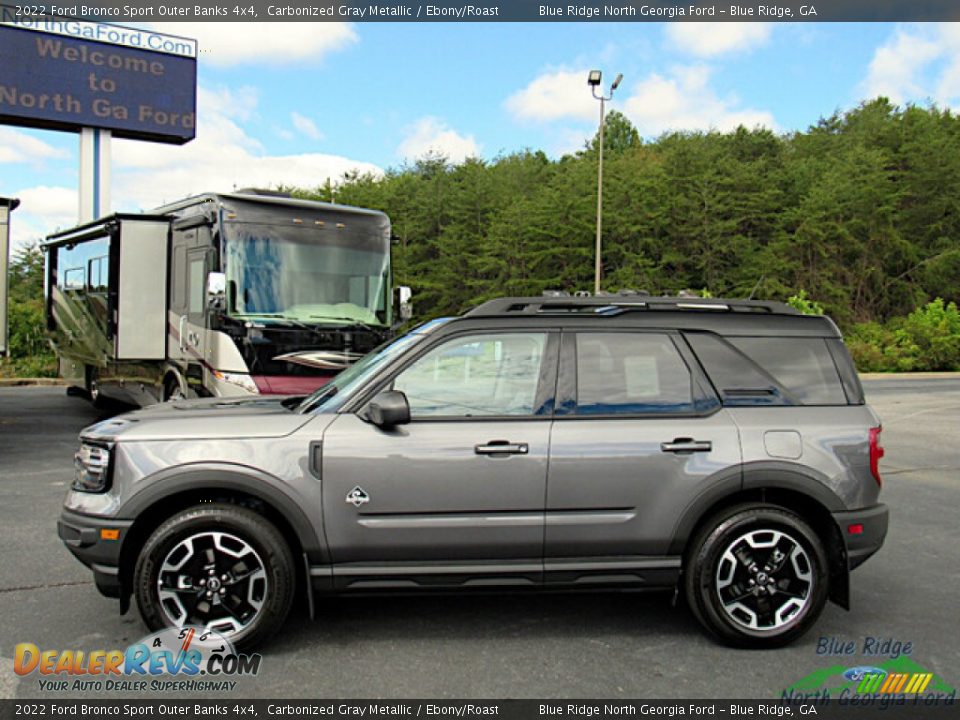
755, 287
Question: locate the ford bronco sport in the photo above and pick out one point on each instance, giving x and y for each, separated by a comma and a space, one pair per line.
719, 447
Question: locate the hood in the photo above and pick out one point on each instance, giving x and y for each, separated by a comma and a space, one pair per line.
209, 418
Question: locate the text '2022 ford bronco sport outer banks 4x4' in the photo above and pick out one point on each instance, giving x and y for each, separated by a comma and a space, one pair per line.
722, 447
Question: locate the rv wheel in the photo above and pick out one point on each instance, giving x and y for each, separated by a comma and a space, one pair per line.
172, 390
93, 388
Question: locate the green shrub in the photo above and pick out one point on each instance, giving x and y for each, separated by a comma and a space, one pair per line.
928, 339
804, 304
26, 329
874, 348
930, 336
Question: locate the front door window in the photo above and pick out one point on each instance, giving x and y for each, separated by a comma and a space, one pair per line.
476, 376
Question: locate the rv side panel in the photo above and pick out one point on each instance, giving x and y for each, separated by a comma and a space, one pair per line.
142, 291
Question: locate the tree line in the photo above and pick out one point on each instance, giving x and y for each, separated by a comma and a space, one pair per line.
860, 211
857, 215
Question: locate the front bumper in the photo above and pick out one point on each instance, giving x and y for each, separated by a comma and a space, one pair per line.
873, 523
96, 542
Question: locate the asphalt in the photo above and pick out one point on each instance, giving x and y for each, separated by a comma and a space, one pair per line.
501, 646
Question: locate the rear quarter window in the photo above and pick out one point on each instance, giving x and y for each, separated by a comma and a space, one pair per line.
770, 370
803, 366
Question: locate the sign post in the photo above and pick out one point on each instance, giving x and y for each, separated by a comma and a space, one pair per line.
7, 205
94, 174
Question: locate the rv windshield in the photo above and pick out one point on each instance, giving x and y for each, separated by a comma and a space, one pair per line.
307, 274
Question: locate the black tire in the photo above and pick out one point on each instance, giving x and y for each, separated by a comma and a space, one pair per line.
722, 568
275, 588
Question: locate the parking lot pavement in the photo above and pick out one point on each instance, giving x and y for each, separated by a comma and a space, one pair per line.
584, 645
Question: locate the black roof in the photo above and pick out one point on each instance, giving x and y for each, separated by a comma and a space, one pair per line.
617, 304
95, 228
720, 315
268, 199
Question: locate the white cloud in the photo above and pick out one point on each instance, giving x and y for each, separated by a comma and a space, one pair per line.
43, 210
919, 62
18, 147
709, 39
897, 66
948, 84
555, 95
305, 126
217, 111
684, 100
273, 43
223, 157
679, 100
430, 135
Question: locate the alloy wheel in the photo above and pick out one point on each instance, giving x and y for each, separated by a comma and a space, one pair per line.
214, 580
764, 580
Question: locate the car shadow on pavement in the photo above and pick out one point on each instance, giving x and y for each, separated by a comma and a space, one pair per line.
345, 620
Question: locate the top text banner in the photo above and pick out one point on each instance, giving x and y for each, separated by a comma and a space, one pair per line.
501, 10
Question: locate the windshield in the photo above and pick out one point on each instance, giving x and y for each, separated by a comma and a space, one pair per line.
335, 393
308, 273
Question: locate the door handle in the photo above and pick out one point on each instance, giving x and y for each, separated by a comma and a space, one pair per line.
502, 447
686, 445
183, 344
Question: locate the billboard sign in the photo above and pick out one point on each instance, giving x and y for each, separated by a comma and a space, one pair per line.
63, 74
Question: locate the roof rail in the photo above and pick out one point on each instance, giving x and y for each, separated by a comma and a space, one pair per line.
617, 305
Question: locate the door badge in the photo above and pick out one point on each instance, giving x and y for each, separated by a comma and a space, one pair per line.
358, 496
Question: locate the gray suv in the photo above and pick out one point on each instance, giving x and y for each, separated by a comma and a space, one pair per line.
719, 447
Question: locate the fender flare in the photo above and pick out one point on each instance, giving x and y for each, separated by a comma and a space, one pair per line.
223, 476
763, 475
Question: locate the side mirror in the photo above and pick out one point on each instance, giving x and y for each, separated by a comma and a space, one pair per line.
403, 306
388, 409
216, 291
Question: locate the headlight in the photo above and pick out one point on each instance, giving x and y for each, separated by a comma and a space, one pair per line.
240, 380
92, 464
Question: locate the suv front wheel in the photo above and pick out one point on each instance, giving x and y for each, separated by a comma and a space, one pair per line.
220, 567
756, 576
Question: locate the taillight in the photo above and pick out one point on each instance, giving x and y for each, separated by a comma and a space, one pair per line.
876, 452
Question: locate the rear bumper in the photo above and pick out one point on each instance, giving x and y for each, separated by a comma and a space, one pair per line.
83, 535
861, 546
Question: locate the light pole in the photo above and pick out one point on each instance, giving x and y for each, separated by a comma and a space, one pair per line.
593, 80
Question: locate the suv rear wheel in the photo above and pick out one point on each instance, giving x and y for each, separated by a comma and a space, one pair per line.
756, 576
219, 566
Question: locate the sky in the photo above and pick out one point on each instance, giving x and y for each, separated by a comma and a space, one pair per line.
298, 103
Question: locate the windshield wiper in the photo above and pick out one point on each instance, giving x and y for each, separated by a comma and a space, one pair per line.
292, 403
311, 402
300, 324
352, 321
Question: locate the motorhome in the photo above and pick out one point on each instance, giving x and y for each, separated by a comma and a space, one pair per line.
219, 295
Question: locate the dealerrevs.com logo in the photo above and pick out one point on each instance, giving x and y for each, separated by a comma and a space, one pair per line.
185, 659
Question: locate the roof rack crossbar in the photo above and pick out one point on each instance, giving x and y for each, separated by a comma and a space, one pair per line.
607, 305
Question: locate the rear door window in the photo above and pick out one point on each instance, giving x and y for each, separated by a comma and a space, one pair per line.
630, 374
